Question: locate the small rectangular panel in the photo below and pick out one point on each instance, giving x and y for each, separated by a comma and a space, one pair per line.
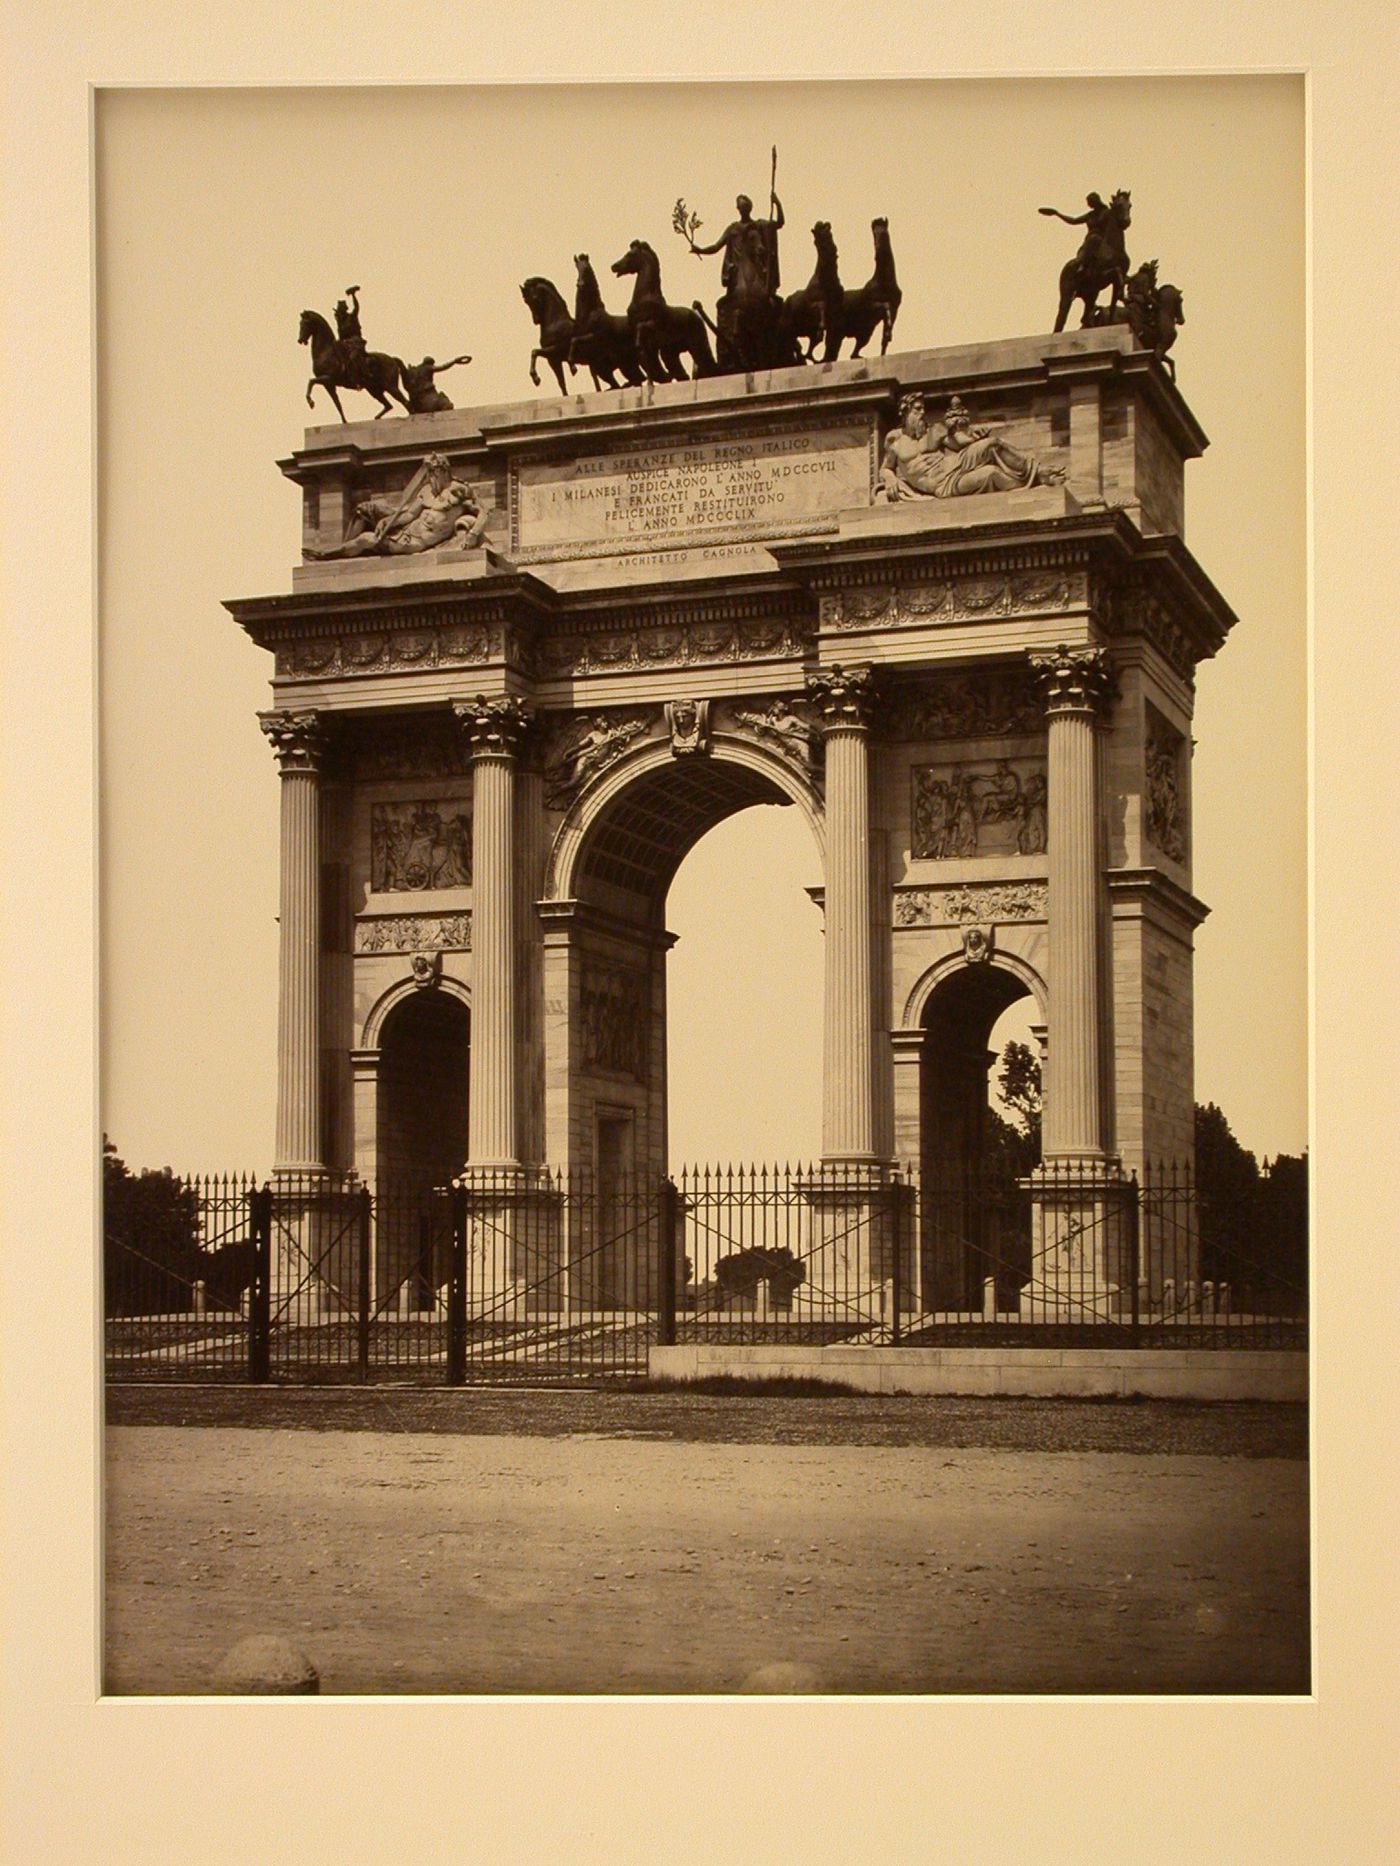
762, 486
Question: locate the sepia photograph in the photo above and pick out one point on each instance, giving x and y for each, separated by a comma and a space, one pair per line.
722, 883
692, 930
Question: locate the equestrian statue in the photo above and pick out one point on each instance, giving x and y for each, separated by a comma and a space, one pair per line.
1102, 259
343, 362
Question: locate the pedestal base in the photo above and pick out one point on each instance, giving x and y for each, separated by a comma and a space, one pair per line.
1082, 1243
861, 1245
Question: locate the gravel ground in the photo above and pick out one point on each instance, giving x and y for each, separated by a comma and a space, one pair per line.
613, 1543
1234, 1429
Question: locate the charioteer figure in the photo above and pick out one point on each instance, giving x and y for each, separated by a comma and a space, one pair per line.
749, 316
747, 238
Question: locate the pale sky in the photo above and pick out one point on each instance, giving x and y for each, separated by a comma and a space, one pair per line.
221, 214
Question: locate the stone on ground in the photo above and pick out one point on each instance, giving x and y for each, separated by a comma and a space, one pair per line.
266, 1665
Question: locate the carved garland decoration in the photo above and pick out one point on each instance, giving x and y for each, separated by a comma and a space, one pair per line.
694, 644
457, 646
958, 598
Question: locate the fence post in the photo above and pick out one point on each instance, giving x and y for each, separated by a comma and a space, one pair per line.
666, 1319
457, 1293
362, 1229
260, 1289
896, 1259
1135, 1254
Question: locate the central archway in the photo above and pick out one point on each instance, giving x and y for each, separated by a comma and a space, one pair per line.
612, 866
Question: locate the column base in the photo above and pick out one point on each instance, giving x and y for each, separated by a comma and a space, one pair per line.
516, 1266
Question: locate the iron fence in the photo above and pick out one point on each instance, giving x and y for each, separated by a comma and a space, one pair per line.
539, 1275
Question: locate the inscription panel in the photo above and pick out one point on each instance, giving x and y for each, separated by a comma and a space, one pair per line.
765, 486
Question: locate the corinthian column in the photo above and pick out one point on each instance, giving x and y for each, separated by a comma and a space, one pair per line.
1074, 685
297, 740
845, 701
494, 729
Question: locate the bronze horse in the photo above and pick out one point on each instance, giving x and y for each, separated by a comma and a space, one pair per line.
1106, 264
1154, 311
556, 330
874, 306
603, 343
662, 331
812, 312
377, 373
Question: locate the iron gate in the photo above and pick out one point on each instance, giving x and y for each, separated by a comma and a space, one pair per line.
552, 1276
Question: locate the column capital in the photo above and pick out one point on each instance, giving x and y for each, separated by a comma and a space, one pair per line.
298, 738
495, 726
1072, 680
845, 697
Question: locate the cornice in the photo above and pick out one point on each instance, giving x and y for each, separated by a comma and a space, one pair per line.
1149, 886
512, 596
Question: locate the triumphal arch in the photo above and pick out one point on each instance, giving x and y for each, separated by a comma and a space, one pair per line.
941, 604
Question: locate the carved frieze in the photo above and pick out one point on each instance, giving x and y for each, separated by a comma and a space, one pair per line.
413, 933
585, 746
420, 845
955, 599
970, 906
426, 747
1165, 814
681, 644
960, 810
1001, 703
1124, 605
383, 650
616, 1028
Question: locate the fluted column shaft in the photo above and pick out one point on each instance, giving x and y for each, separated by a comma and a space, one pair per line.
297, 740
848, 1101
1074, 684
494, 728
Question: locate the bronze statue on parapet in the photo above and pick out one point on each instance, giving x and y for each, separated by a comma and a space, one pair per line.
750, 333
424, 397
343, 362
604, 344
555, 327
873, 307
1102, 259
816, 310
663, 332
